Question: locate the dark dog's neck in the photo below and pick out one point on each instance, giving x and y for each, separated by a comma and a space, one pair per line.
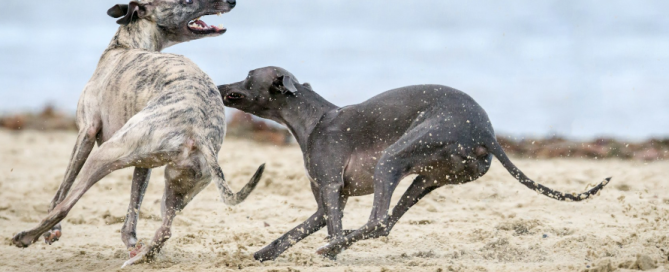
302, 116
140, 34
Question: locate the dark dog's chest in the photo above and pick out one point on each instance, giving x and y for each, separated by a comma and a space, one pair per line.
359, 174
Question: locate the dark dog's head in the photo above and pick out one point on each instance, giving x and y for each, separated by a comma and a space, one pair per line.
179, 20
264, 91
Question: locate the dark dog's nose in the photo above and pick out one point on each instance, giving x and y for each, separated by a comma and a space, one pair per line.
232, 3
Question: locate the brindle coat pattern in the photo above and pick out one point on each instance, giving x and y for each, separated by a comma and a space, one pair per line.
147, 109
439, 133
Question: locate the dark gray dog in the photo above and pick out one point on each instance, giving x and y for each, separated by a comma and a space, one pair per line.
148, 109
436, 132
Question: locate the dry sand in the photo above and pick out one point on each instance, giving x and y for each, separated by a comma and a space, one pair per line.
492, 224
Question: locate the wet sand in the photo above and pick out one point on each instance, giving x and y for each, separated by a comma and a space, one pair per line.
492, 224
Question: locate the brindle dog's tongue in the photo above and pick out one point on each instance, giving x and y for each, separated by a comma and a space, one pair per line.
201, 23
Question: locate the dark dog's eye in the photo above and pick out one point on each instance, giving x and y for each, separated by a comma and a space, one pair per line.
188, 1
235, 96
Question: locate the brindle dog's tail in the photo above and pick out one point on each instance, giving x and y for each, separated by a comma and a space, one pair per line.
227, 195
499, 153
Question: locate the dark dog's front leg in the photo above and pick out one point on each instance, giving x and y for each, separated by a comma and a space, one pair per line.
273, 250
387, 175
332, 201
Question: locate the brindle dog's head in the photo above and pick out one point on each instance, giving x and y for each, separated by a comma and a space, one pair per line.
179, 20
264, 91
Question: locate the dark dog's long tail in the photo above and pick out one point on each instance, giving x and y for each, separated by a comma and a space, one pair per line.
227, 195
496, 149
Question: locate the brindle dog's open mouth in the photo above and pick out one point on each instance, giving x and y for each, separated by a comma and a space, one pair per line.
199, 27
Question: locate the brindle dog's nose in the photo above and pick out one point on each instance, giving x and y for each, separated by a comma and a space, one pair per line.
232, 3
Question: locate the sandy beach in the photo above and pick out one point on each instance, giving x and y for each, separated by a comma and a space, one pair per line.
492, 224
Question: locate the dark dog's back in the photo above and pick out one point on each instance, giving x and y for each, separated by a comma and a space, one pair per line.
396, 111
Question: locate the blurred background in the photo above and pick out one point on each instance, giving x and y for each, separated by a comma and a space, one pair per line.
553, 68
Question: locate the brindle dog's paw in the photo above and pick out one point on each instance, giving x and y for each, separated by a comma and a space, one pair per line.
18, 240
142, 255
52, 235
134, 251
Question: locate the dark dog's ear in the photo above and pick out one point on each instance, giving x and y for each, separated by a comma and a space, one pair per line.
130, 12
118, 11
307, 85
285, 84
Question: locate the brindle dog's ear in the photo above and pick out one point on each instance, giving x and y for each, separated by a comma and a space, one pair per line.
130, 12
285, 84
118, 11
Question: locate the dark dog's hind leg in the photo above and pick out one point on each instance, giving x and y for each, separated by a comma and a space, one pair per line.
399, 160
140, 180
418, 189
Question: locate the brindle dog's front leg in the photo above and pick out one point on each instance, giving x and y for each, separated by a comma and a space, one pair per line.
140, 180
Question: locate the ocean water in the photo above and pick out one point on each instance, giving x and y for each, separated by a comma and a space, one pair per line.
580, 69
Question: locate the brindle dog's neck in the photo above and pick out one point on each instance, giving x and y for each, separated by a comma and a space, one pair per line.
303, 119
140, 34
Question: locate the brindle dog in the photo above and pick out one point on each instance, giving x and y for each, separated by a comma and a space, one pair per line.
439, 133
148, 109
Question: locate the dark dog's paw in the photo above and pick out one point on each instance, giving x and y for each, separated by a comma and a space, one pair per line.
18, 240
379, 232
329, 251
344, 233
264, 255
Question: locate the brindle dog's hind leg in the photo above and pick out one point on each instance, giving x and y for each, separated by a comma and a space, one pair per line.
183, 181
140, 180
104, 160
82, 148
